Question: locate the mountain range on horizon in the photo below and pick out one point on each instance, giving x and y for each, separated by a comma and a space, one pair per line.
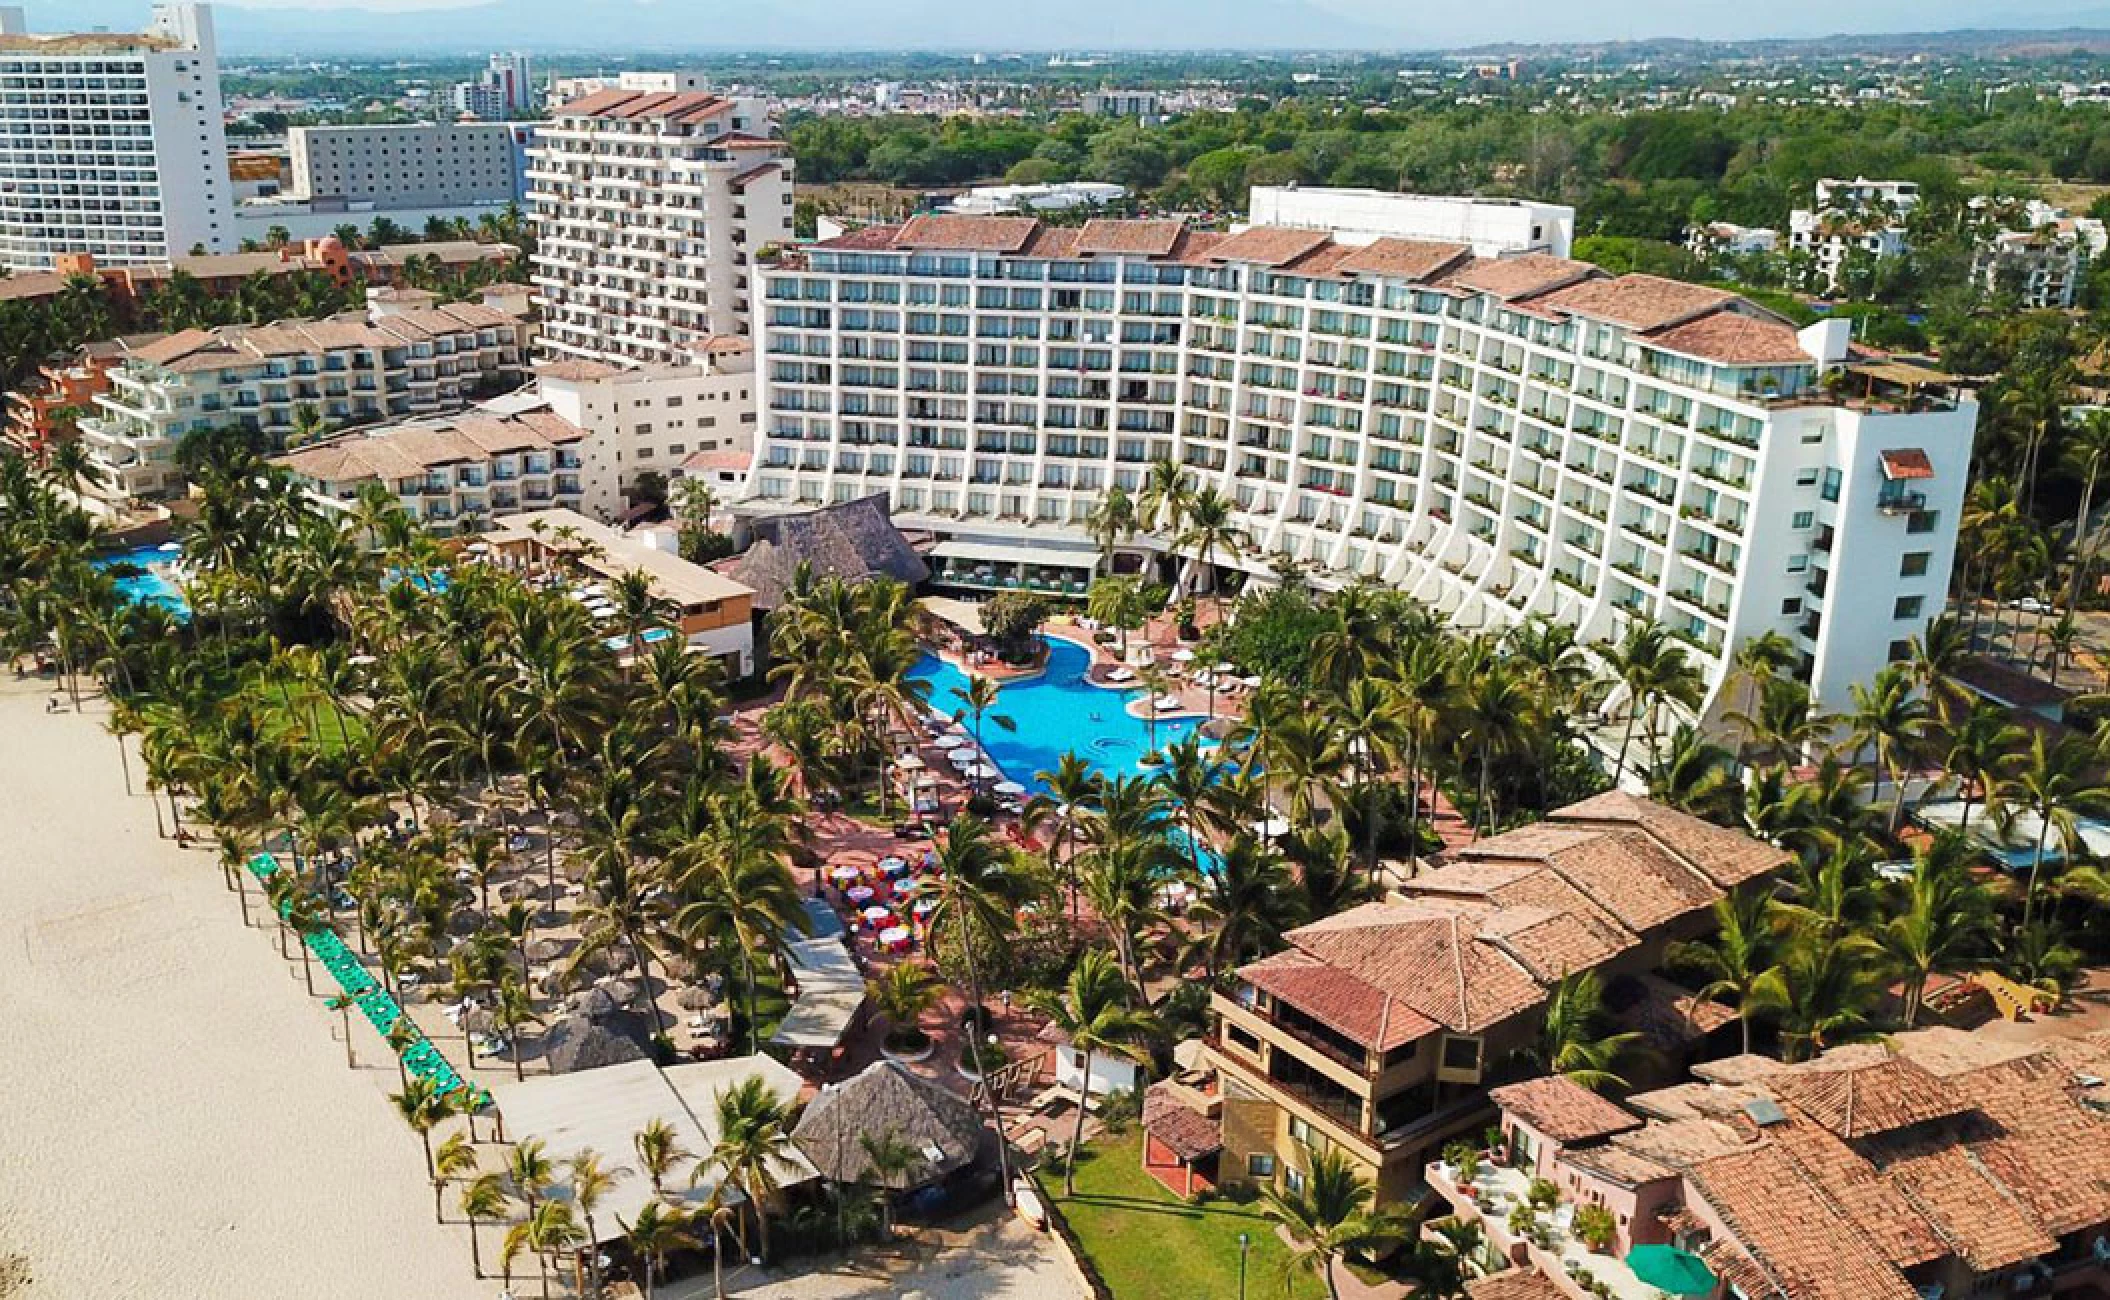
646, 26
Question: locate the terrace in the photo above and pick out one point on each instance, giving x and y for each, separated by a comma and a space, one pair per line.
1494, 1196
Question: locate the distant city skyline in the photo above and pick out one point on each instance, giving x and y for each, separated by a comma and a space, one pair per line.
313, 25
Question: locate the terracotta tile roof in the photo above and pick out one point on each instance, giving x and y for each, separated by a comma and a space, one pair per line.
598, 102
1625, 871
1907, 463
1865, 1089
1858, 1190
968, 234
1150, 238
1412, 259
1614, 1163
1728, 858
1563, 1109
1642, 302
1974, 1215
863, 238
1194, 246
1513, 1284
1669, 1017
1427, 956
1051, 242
1801, 1243
1268, 245
1189, 1133
1325, 260
1521, 276
1337, 999
576, 371
1734, 339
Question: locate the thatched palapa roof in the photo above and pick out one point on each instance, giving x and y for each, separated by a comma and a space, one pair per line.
883, 1100
852, 540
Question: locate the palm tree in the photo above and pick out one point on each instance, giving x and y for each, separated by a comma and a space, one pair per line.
1571, 1041
753, 1147
1066, 797
1163, 503
1978, 751
901, 994
483, 1197
1498, 711
1245, 904
1890, 720
454, 1161
590, 1185
1111, 522
1210, 531
1827, 991
530, 1171
1946, 922
658, 1231
1758, 659
2057, 784
1118, 603
2086, 452
1096, 1011
1654, 671
1743, 959
979, 699
1330, 1216
1697, 776
659, 1150
975, 910
888, 1160
549, 1230
422, 1106
740, 888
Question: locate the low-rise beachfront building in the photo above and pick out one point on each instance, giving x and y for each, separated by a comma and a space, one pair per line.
1377, 1032
711, 613
47, 408
1936, 1163
273, 379
1503, 437
458, 472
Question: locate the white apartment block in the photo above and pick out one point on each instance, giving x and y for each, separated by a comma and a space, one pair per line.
459, 472
1143, 105
266, 378
649, 208
1502, 438
1720, 238
2040, 258
424, 165
112, 144
1859, 216
655, 418
1490, 226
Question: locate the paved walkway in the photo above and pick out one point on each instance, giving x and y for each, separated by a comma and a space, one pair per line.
993, 1257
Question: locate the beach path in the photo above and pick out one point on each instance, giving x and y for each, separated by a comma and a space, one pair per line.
176, 1116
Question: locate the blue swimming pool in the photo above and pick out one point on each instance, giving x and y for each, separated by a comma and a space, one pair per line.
1056, 713
147, 584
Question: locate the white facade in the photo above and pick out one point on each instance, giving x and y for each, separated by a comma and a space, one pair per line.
656, 417
1143, 105
995, 200
345, 369
1859, 216
1717, 238
424, 165
460, 472
1501, 438
648, 210
1490, 226
112, 145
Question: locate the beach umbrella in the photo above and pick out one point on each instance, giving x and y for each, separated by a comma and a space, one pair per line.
1168, 702
1183, 656
1670, 1270
696, 998
1226, 668
984, 770
576, 1043
964, 754
1009, 787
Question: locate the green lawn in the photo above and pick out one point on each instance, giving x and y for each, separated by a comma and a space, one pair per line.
1150, 1245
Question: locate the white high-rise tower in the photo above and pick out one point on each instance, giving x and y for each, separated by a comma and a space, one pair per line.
112, 144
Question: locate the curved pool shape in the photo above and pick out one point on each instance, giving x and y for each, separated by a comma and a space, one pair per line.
1055, 713
148, 585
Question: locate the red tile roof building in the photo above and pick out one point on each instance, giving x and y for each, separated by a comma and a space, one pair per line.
1378, 1026
1939, 1162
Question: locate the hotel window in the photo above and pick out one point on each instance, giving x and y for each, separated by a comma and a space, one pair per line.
1259, 1166
1907, 607
1914, 564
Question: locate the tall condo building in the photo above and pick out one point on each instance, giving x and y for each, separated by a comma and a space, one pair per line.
112, 144
649, 207
1502, 437
417, 165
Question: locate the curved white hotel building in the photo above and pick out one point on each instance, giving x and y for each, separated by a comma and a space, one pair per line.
1501, 436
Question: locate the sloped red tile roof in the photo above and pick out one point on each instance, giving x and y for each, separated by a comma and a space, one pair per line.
1521, 276
865, 238
1338, 999
1801, 1242
966, 233
1726, 857
1427, 956
1642, 302
1153, 238
1907, 463
1564, 1110
1513, 1284
598, 102
1189, 1133
1268, 245
1413, 259
1865, 1089
1625, 871
1734, 339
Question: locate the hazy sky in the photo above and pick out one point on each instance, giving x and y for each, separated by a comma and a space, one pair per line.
1075, 23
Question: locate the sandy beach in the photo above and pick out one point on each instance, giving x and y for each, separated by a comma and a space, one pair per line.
178, 1117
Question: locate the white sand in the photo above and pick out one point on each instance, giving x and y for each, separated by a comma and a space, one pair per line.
176, 1118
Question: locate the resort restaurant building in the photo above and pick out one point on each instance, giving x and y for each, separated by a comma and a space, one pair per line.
1936, 1163
1502, 436
1377, 1032
710, 612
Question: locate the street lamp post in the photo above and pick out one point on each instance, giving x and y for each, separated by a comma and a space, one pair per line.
1244, 1243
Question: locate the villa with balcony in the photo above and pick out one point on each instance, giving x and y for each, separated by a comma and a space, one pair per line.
1378, 1031
1939, 1163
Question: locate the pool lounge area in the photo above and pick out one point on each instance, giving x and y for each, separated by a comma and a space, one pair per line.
148, 577
2017, 848
1054, 713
